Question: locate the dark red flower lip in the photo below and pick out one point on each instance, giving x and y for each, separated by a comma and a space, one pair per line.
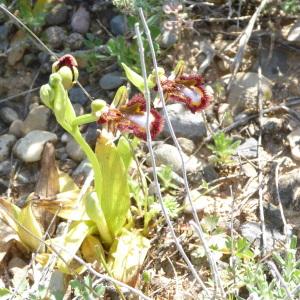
186, 87
68, 61
132, 118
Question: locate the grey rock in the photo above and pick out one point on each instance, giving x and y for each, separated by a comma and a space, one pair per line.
271, 126
5, 168
37, 119
78, 108
168, 38
249, 170
74, 151
58, 14
111, 81
168, 155
91, 134
288, 188
294, 141
3, 37
77, 96
74, 41
57, 284
185, 123
55, 36
209, 173
187, 146
252, 232
118, 25
294, 34
18, 46
81, 20
6, 142
25, 177
275, 66
199, 201
248, 149
8, 115
30, 147
16, 128
243, 91
83, 168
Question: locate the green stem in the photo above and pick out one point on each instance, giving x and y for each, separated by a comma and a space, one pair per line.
105, 233
84, 119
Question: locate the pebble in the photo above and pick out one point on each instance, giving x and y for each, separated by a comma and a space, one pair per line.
55, 36
74, 151
30, 147
3, 37
83, 168
199, 201
77, 96
37, 119
252, 232
288, 185
8, 115
294, 34
168, 155
248, 149
168, 38
58, 14
6, 142
81, 20
187, 146
185, 123
78, 108
111, 81
18, 47
16, 128
57, 284
294, 141
74, 41
5, 168
118, 25
243, 91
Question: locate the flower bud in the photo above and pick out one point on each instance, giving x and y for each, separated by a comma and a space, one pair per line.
97, 106
66, 67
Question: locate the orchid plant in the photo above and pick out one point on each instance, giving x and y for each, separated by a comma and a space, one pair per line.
102, 220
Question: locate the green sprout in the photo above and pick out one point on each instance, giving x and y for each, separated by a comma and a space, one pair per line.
223, 148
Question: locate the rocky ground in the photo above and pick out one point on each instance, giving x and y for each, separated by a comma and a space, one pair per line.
205, 36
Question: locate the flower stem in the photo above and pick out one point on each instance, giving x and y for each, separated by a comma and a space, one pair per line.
84, 119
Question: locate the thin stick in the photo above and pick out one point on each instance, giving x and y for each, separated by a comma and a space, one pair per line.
277, 275
161, 96
151, 152
285, 226
260, 165
243, 40
20, 94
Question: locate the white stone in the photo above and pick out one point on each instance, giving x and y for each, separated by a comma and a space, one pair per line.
294, 140
30, 147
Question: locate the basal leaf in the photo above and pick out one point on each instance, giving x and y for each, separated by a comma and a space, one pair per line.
115, 200
127, 256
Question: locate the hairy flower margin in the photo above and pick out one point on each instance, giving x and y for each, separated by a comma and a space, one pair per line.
188, 89
132, 118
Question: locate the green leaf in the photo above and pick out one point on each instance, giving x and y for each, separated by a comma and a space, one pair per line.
115, 199
4, 293
136, 79
71, 242
125, 152
127, 256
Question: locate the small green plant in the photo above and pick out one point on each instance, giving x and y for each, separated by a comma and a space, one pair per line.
290, 6
223, 148
86, 290
33, 15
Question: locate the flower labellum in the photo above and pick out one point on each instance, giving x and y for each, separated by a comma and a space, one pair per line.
189, 90
66, 67
132, 118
